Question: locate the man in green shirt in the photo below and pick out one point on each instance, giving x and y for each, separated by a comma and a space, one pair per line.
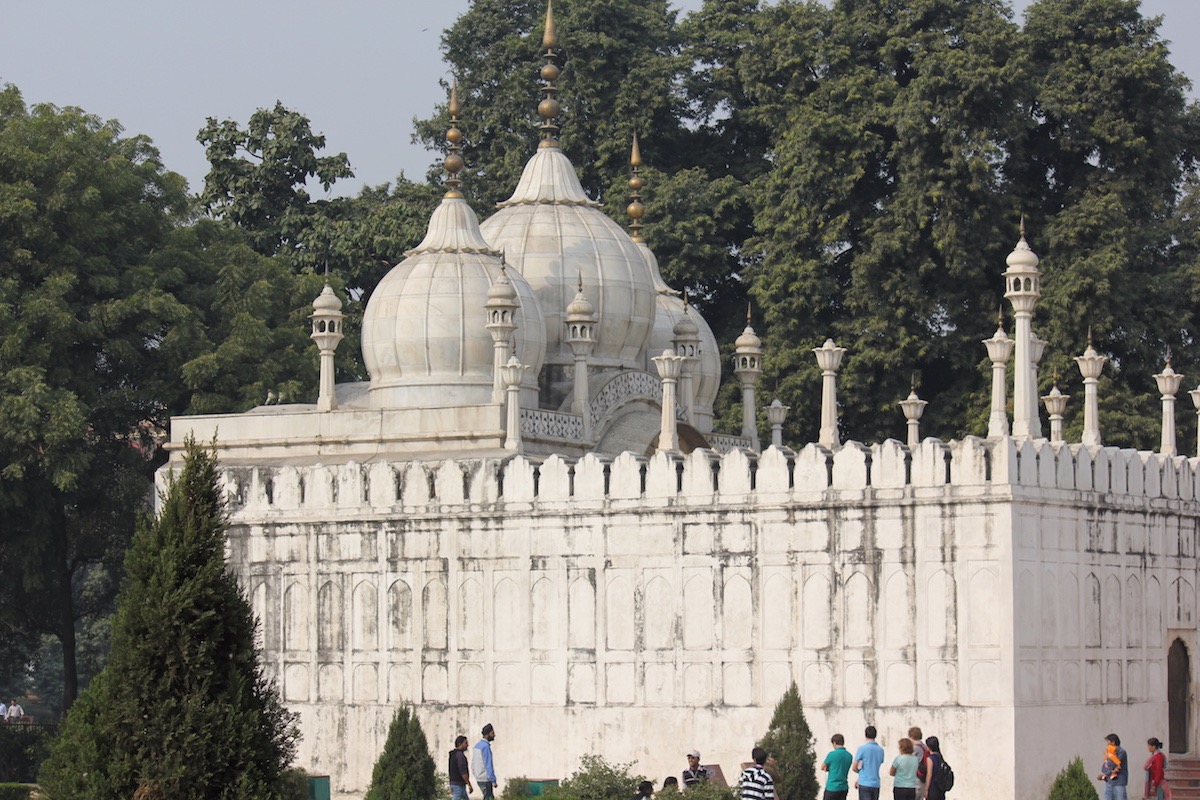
837, 764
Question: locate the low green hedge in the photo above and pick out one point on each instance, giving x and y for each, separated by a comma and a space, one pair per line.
15, 791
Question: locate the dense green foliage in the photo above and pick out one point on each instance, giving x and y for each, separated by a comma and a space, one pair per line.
405, 769
83, 327
790, 741
182, 709
597, 779
23, 748
1073, 783
15, 791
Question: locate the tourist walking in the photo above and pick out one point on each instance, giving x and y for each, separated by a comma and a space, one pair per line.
1156, 769
482, 766
837, 763
755, 782
867, 761
904, 772
460, 773
1114, 770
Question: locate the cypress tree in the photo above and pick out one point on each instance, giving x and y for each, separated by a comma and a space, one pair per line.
790, 741
182, 710
405, 770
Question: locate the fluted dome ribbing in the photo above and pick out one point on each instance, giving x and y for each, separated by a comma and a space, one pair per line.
424, 337
553, 234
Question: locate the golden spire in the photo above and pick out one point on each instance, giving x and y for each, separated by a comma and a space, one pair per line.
548, 109
454, 159
636, 210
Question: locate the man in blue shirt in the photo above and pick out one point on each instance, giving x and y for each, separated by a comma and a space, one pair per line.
867, 761
481, 762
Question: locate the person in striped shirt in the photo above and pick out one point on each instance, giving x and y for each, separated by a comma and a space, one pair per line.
756, 783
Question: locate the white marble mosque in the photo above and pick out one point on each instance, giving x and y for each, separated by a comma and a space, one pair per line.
526, 518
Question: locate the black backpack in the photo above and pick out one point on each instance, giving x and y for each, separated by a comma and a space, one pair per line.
943, 778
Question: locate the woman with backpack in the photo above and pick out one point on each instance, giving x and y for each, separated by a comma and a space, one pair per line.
935, 788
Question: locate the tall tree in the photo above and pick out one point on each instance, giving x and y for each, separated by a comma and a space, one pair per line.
81, 210
182, 709
790, 741
1113, 137
885, 219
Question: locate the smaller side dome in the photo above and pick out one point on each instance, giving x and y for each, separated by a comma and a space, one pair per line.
327, 300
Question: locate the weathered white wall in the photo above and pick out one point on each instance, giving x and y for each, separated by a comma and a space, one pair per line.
639, 609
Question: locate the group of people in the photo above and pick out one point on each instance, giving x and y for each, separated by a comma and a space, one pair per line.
918, 770
11, 712
481, 766
1114, 770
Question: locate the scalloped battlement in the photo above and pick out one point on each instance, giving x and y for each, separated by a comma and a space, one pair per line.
812, 475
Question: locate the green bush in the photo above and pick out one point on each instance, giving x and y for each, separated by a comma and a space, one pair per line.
515, 789
790, 741
1073, 783
15, 791
596, 779
405, 770
23, 748
707, 790
295, 785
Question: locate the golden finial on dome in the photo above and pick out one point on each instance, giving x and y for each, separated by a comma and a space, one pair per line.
454, 160
636, 210
549, 108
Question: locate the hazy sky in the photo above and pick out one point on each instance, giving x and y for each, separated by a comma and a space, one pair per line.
359, 69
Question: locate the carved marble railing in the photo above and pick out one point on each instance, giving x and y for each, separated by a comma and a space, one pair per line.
723, 443
625, 386
543, 424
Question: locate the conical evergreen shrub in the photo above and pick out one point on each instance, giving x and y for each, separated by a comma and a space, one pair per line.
790, 741
1073, 783
405, 770
182, 711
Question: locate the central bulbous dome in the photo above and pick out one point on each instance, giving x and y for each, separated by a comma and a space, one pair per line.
424, 333
554, 235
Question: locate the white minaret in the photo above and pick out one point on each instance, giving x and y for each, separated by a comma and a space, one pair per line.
501, 310
1195, 395
1168, 384
581, 337
686, 339
1021, 287
776, 414
1056, 404
999, 349
327, 319
1037, 348
512, 374
669, 366
1091, 364
913, 407
747, 365
829, 358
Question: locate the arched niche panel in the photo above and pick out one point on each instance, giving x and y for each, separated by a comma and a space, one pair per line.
737, 623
